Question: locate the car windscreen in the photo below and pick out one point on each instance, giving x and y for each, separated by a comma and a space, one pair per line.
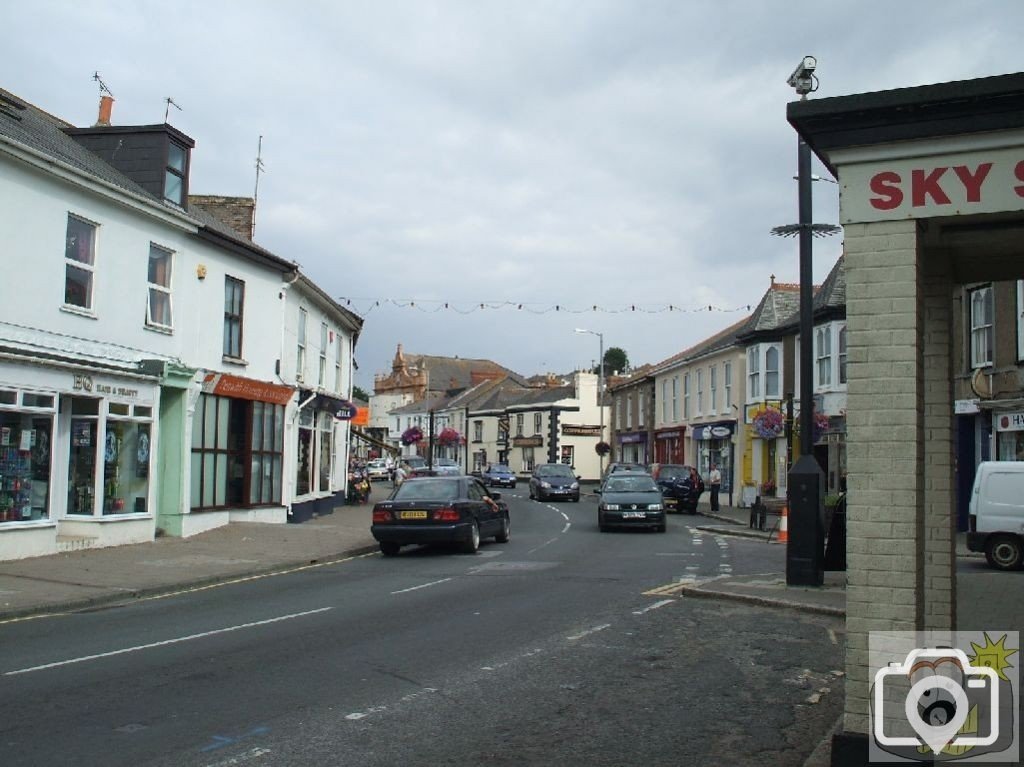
630, 485
501, 469
555, 471
433, 489
673, 472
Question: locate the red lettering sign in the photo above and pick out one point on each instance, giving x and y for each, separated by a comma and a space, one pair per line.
922, 185
1019, 173
972, 181
886, 185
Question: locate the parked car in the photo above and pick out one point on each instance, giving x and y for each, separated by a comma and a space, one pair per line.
415, 465
554, 480
630, 499
378, 469
498, 475
676, 487
446, 467
429, 510
618, 466
997, 514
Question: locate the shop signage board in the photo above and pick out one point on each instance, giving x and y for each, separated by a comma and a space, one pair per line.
527, 441
966, 407
1009, 421
571, 430
953, 184
227, 385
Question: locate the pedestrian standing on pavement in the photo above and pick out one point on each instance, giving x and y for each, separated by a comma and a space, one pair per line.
716, 484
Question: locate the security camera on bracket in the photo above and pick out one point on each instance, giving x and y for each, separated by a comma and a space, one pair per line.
803, 80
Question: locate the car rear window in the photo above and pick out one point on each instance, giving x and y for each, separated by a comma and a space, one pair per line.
433, 489
630, 485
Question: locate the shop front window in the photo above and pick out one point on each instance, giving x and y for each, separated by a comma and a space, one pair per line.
126, 454
82, 456
326, 450
237, 448
528, 459
25, 441
306, 461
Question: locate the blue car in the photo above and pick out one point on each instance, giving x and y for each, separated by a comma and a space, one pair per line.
498, 475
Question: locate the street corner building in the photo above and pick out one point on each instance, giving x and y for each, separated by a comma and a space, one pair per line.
160, 373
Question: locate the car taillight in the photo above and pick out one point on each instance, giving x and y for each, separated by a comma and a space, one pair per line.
446, 515
381, 515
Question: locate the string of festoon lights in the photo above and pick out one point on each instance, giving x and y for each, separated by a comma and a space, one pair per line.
364, 305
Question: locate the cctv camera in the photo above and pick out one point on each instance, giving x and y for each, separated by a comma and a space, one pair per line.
802, 79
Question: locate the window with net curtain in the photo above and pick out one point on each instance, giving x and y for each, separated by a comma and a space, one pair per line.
981, 326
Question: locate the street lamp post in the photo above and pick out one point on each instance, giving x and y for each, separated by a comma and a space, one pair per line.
600, 389
806, 548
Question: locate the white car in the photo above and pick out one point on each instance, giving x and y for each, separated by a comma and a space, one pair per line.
378, 469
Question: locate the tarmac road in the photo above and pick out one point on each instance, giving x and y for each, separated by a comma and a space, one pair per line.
564, 645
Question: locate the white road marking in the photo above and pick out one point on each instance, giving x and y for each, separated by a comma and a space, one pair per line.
164, 642
421, 586
588, 632
654, 606
252, 753
531, 551
355, 716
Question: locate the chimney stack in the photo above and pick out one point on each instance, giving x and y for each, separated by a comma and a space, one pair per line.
106, 107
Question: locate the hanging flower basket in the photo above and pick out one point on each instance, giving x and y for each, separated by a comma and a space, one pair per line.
768, 422
769, 488
602, 448
449, 437
412, 436
820, 424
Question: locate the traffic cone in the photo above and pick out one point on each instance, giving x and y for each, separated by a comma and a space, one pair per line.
784, 525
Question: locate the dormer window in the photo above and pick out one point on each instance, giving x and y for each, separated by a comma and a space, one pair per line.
174, 176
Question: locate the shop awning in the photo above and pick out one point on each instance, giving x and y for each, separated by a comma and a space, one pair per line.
360, 434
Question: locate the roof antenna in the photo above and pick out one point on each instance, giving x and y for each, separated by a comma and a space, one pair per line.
103, 85
256, 192
170, 103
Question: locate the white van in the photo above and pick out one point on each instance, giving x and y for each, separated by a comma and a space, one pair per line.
997, 513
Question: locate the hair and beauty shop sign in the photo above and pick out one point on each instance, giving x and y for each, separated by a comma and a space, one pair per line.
928, 186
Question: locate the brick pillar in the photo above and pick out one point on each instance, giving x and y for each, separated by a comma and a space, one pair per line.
899, 445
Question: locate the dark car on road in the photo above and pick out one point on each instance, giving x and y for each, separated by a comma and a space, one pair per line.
414, 465
554, 480
677, 487
431, 510
498, 475
619, 466
630, 499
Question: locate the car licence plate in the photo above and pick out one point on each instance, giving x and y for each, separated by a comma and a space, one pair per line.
634, 514
412, 515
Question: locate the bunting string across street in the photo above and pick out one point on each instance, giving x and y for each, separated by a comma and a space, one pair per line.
366, 305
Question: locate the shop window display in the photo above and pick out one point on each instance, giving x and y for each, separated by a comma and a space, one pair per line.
24, 467
126, 454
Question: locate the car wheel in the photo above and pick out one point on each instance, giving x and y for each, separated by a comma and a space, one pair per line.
471, 545
1004, 552
513, 485
576, 498
531, 492
506, 531
662, 527
389, 549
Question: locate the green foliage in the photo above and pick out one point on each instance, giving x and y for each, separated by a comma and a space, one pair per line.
615, 361
359, 394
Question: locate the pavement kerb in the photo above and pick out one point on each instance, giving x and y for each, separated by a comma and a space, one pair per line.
705, 593
105, 600
741, 533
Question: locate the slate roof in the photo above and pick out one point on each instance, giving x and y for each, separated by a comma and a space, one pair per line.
38, 130
31, 127
829, 299
445, 373
720, 340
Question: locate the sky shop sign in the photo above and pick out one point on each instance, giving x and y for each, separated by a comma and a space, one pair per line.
945, 185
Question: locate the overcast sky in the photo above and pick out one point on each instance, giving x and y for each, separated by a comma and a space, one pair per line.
590, 153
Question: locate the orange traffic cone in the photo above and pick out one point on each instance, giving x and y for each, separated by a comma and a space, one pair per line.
784, 525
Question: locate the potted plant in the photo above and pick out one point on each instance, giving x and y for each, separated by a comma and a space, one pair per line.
769, 488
